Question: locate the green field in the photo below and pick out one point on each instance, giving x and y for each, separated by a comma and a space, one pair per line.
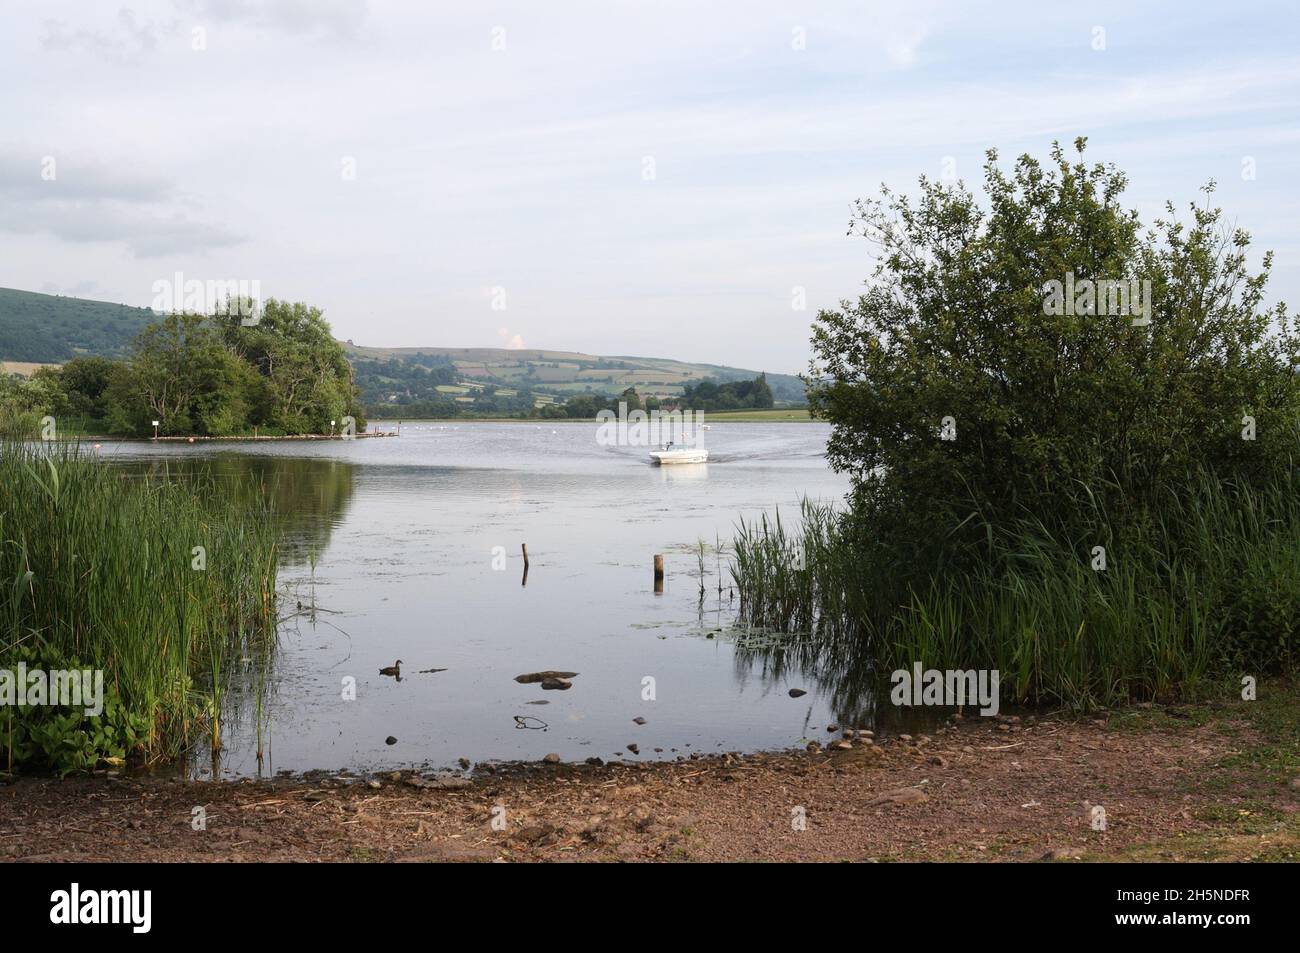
566, 373
790, 414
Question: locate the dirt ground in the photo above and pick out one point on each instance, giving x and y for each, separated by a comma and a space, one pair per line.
1209, 782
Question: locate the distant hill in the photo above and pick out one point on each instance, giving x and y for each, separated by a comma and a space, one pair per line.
51, 329
464, 370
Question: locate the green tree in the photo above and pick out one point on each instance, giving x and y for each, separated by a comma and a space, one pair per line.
180, 373
956, 384
308, 380
84, 380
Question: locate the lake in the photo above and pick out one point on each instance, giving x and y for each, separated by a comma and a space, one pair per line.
409, 548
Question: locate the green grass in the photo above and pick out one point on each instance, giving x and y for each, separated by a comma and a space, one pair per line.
97, 566
1250, 804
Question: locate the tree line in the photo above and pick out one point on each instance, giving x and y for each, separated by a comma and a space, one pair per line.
202, 375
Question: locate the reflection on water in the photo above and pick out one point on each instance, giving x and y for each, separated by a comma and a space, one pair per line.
410, 549
308, 495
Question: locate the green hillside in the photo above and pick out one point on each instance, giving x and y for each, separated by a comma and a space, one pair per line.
51, 329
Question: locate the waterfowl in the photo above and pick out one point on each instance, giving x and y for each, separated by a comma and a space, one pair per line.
394, 669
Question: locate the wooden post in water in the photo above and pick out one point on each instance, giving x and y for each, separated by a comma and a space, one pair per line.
524, 547
659, 574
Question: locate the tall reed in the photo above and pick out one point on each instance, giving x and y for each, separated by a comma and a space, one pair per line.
1207, 582
159, 581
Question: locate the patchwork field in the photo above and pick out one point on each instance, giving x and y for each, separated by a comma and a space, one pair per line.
564, 373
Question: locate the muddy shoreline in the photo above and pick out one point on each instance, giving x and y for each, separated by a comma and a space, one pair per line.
1186, 783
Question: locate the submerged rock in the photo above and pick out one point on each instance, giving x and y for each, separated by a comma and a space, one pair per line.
531, 677
797, 692
390, 740
556, 684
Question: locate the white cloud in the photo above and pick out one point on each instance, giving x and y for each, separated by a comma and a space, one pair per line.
522, 168
514, 342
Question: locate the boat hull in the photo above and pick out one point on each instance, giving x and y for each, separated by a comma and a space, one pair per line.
667, 457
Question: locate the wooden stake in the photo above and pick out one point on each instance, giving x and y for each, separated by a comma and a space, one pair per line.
659, 573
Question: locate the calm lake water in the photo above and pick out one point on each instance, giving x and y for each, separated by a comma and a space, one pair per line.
404, 534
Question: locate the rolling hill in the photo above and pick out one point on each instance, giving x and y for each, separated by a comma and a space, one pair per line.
50, 329
559, 374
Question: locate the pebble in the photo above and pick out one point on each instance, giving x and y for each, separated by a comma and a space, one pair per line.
552, 758
390, 740
1064, 853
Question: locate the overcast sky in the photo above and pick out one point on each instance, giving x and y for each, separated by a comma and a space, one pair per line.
637, 178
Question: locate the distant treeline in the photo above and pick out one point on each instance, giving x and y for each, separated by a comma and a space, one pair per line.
733, 395
522, 403
199, 375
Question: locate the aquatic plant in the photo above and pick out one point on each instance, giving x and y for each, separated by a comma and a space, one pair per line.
163, 583
1085, 616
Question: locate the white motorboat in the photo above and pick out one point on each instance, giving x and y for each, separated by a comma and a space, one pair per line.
671, 453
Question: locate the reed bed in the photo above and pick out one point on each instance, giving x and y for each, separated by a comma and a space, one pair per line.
100, 567
1204, 584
